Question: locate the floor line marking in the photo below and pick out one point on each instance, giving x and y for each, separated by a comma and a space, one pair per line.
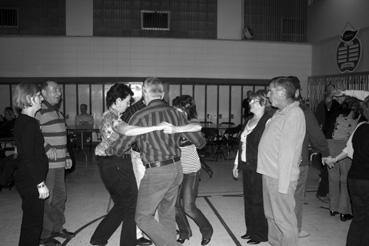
80, 229
235, 240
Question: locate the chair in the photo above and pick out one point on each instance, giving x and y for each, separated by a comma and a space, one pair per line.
231, 139
214, 142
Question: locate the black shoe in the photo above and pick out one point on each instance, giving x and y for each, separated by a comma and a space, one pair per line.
205, 241
63, 234
50, 242
143, 241
333, 213
344, 217
181, 240
252, 241
246, 236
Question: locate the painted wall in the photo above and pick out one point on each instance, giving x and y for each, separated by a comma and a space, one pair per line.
79, 17
326, 21
230, 19
92, 56
327, 18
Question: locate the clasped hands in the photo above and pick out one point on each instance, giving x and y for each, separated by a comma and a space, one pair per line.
329, 161
167, 127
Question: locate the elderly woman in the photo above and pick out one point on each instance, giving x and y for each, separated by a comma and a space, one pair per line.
186, 202
117, 173
246, 160
32, 165
358, 175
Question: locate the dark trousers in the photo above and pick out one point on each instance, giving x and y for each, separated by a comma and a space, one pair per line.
118, 178
33, 213
323, 188
256, 223
186, 205
358, 234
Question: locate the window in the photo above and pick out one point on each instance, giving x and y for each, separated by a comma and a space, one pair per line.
8, 17
155, 20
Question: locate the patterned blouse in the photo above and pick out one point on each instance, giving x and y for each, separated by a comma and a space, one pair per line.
109, 136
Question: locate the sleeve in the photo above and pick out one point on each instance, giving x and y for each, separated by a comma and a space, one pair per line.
293, 132
195, 137
27, 142
359, 94
39, 117
315, 134
349, 149
121, 144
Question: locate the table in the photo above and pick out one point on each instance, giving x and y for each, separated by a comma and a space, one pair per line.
78, 130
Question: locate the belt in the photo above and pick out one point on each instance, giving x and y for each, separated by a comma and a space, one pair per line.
162, 163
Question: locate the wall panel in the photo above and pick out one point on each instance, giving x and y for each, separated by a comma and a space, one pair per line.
199, 97
70, 98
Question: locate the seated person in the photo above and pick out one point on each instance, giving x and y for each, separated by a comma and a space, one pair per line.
84, 120
7, 124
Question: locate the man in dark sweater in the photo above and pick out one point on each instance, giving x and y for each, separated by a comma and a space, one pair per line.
314, 137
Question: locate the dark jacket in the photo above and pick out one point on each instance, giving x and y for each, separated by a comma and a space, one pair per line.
314, 137
252, 143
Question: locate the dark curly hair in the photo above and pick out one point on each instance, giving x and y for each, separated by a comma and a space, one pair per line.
187, 104
117, 91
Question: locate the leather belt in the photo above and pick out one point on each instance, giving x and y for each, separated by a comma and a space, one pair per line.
162, 163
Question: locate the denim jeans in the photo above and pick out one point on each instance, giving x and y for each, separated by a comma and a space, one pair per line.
358, 233
186, 205
54, 218
118, 178
158, 191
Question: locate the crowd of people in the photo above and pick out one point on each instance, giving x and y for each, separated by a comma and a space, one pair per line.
148, 163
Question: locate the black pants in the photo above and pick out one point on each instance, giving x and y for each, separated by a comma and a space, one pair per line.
118, 178
256, 223
358, 234
323, 188
33, 214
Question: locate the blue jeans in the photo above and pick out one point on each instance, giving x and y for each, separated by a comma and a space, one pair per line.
186, 205
54, 218
159, 190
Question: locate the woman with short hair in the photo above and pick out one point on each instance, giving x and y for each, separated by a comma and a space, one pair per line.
32, 163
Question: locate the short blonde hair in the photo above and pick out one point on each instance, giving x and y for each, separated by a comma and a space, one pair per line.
22, 95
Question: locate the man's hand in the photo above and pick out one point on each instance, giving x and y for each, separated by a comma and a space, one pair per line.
329, 161
51, 154
68, 163
167, 128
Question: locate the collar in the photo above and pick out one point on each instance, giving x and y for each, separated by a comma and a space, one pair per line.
48, 105
289, 107
157, 102
115, 112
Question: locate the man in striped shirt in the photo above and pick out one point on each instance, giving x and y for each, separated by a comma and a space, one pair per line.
55, 135
160, 154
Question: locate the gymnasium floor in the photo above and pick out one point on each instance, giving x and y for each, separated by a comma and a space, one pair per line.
219, 198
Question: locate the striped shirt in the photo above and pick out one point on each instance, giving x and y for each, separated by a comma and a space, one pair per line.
190, 159
54, 130
156, 146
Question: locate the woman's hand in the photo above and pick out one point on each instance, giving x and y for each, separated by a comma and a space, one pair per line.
235, 172
329, 161
43, 191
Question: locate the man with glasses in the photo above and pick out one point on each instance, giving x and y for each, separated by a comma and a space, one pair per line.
279, 156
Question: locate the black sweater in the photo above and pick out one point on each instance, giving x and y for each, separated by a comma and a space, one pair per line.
33, 162
360, 160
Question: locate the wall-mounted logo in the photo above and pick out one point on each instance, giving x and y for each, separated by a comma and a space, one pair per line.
348, 50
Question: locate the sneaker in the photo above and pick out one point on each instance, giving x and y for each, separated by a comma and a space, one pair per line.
303, 234
63, 234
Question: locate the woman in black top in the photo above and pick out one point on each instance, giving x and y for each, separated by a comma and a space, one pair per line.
32, 163
246, 160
